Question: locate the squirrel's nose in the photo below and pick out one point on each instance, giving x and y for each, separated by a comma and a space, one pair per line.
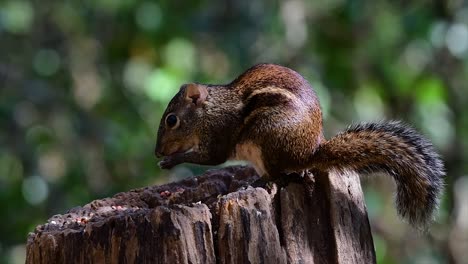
158, 152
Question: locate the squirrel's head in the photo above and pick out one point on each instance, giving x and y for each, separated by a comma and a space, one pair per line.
179, 125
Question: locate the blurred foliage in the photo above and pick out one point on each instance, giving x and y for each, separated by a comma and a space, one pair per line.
83, 85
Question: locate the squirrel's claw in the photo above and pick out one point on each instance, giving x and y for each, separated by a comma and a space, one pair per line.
166, 163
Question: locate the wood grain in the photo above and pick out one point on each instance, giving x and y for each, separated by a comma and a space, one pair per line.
215, 218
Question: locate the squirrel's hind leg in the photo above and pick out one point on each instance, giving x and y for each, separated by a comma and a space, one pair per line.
284, 140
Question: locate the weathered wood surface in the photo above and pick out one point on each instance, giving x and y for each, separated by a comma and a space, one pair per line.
215, 218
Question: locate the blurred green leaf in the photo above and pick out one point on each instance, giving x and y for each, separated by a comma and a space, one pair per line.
162, 84
430, 90
17, 16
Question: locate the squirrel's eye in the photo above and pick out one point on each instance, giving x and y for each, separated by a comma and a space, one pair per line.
171, 120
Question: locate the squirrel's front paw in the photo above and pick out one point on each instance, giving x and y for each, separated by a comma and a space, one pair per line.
167, 163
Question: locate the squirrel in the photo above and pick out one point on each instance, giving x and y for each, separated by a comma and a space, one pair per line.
271, 117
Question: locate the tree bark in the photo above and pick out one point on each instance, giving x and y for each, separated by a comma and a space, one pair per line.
215, 218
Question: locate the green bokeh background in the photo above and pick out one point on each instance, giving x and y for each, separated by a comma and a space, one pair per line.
83, 85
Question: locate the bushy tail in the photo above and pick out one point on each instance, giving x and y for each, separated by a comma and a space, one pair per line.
398, 150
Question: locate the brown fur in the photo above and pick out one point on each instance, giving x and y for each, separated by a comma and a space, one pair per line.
271, 117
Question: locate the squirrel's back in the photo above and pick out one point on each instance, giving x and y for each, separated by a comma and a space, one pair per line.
273, 78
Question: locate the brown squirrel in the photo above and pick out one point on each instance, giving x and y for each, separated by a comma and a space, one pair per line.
271, 117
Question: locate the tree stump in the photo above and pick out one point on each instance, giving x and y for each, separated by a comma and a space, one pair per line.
215, 218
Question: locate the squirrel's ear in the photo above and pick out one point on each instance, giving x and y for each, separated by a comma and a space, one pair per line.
196, 93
